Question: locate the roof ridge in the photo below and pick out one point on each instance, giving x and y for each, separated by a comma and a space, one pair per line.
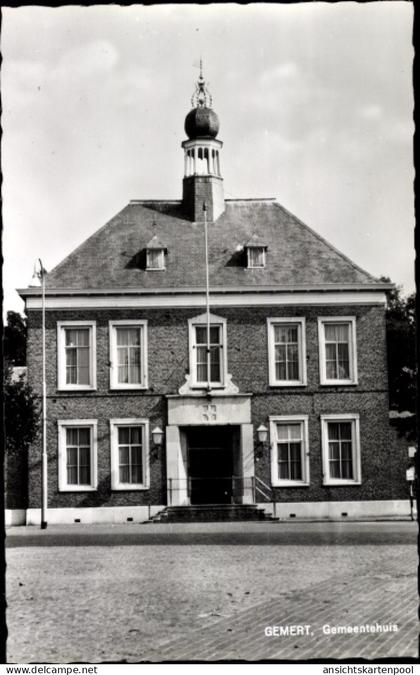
155, 201
327, 243
179, 201
252, 199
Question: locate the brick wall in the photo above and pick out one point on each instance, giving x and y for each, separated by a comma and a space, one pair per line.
247, 346
377, 473
168, 363
199, 189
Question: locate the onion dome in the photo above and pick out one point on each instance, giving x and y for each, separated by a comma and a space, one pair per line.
201, 121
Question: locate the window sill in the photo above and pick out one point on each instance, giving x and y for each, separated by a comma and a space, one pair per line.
76, 488
128, 387
290, 483
339, 383
78, 387
129, 487
285, 383
337, 483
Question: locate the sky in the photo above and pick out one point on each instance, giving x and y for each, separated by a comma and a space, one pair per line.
315, 104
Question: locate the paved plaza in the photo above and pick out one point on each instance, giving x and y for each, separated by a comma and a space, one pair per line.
212, 592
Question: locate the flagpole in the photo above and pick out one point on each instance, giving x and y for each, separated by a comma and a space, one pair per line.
37, 277
207, 296
44, 471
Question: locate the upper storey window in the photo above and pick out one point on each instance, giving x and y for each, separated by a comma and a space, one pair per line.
128, 349
337, 344
76, 355
208, 351
215, 345
256, 252
155, 255
286, 351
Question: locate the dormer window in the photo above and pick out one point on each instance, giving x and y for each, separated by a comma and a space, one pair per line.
156, 259
155, 255
255, 251
256, 256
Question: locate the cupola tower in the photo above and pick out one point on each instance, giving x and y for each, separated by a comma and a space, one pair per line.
202, 182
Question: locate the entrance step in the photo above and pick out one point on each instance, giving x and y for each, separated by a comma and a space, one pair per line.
210, 513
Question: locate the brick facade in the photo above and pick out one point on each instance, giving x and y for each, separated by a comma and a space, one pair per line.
200, 189
247, 349
294, 273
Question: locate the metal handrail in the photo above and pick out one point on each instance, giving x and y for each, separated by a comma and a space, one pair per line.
268, 487
272, 497
264, 494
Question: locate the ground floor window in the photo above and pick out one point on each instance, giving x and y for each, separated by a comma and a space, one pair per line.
77, 455
341, 449
129, 454
289, 450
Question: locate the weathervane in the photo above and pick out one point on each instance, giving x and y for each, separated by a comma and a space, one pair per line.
201, 97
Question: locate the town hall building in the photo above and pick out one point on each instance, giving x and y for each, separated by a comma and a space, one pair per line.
210, 358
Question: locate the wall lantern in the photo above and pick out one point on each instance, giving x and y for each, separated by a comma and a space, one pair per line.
262, 433
157, 436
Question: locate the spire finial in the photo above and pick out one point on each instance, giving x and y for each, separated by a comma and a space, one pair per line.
201, 97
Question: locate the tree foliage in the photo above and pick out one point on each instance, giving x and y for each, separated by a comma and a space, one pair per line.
21, 408
401, 344
21, 411
14, 340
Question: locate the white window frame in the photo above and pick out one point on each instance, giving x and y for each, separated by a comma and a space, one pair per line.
255, 267
155, 268
63, 425
61, 355
289, 419
354, 418
351, 321
301, 323
201, 321
113, 370
115, 476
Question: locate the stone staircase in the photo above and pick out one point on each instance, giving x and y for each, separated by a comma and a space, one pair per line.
200, 513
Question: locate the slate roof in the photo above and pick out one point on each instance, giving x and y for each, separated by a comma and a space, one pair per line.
255, 242
114, 257
155, 244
